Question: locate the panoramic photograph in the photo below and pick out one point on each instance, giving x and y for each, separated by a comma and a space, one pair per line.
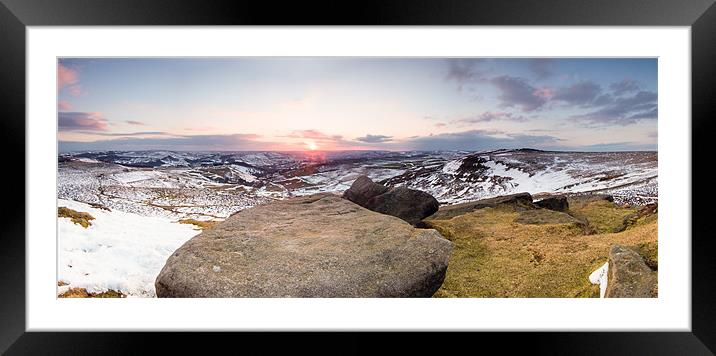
357, 177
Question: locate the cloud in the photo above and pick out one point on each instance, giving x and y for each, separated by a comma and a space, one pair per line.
623, 87
133, 122
86, 121
337, 142
315, 139
516, 91
68, 78
464, 71
612, 147
488, 116
650, 114
474, 140
624, 110
64, 105
116, 134
314, 135
541, 67
65, 76
583, 93
374, 138
233, 142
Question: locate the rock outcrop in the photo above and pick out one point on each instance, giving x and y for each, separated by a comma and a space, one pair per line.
408, 204
519, 201
629, 276
645, 211
313, 246
556, 203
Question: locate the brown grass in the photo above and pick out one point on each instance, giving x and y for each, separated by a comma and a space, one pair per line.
77, 217
493, 256
198, 223
82, 293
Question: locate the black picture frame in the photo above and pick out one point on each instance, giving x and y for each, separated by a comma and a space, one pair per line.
16, 15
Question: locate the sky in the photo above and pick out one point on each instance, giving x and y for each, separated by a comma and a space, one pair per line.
298, 104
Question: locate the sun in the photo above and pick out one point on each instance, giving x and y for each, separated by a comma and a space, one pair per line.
311, 145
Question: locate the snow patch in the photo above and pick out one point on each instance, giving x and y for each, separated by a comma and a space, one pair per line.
244, 173
600, 277
135, 176
452, 166
119, 251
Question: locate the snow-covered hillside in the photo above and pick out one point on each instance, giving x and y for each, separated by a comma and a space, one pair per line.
214, 185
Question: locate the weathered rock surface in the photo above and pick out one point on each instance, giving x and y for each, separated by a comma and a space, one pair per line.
556, 203
589, 197
546, 216
519, 201
629, 276
363, 190
312, 246
408, 204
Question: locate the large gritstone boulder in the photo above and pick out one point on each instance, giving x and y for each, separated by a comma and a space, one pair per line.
312, 246
408, 204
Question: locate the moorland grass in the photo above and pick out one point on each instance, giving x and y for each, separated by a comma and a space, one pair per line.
602, 216
495, 256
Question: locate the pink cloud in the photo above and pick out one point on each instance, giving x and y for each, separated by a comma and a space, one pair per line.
545, 92
64, 105
315, 135
133, 122
65, 76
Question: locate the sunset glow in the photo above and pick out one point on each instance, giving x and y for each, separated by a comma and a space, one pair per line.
311, 145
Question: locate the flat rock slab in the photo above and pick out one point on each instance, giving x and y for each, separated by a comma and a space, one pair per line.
313, 246
519, 201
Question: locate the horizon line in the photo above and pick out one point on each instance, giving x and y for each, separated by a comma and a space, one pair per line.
353, 150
